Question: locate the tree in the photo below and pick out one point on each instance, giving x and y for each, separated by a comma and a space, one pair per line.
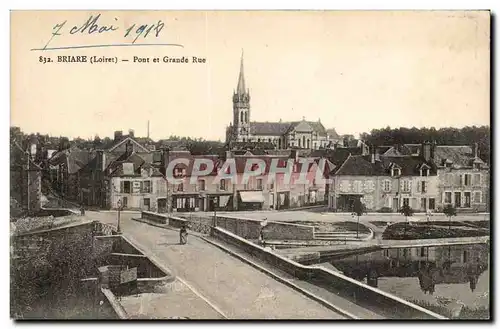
407, 211
358, 209
449, 211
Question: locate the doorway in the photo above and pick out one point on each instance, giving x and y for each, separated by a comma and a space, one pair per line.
458, 199
395, 204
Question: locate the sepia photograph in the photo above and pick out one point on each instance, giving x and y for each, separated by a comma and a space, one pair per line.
250, 165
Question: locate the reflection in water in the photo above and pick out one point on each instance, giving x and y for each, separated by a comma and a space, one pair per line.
455, 270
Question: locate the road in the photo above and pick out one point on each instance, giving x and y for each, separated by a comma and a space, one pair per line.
314, 215
235, 290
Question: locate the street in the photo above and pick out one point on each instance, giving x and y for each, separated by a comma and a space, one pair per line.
234, 289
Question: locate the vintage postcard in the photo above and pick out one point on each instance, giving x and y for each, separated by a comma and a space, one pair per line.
250, 165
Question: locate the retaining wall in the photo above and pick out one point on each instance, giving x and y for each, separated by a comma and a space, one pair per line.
362, 294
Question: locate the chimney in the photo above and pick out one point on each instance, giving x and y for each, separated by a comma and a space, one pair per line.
165, 159
101, 160
475, 150
118, 135
426, 153
131, 133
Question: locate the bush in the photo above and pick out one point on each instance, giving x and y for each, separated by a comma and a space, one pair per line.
385, 210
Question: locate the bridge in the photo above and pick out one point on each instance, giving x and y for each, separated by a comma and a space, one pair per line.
216, 279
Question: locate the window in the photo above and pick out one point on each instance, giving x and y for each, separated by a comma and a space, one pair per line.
447, 197
477, 197
222, 185
146, 187
467, 199
396, 172
465, 256
477, 180
423, 204
406, 186
467, 179
423, 186
424, 172
387, 186
125, 187
180, 187
146, 202
448, 179
406, 201
271, 186
423, 251
179, 172
259, 184
477, 165
432, 204
201, 184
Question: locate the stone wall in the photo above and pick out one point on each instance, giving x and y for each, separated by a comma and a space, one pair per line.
372, 298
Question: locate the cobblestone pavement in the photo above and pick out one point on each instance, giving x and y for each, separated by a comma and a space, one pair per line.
233, 289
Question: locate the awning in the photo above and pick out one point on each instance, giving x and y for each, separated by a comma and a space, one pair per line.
254, 196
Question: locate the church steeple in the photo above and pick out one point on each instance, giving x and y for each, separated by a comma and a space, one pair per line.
240, 90
241, 108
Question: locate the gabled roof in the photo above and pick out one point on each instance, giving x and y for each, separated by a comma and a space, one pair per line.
128, 139
316, 126
19, 158
358, 165
269, 128
139, 161
332, 133
459, 155
75, 158
409, 165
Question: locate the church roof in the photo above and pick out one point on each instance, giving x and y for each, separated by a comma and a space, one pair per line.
269, 128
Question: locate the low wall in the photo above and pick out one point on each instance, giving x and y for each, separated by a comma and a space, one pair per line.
251, 228
360, 293
156, 217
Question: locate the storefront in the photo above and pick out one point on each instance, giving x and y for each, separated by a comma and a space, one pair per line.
250, 200
185, 203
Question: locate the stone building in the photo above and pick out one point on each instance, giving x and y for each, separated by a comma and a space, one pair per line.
283, 135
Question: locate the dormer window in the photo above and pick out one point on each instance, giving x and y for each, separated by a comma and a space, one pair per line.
477, 166
396, 172
424, 172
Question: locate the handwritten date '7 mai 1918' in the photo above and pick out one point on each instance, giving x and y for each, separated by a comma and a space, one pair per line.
93, 26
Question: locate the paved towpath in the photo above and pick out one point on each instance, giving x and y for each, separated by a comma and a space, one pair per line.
232, 288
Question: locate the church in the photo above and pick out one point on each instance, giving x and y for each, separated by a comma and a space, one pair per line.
283, 135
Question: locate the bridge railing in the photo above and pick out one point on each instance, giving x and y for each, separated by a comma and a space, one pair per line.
360, 293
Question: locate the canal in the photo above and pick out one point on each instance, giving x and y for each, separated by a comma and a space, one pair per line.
450, 280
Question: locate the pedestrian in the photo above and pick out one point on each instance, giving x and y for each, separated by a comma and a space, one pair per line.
183, 235
428, 215
82, 210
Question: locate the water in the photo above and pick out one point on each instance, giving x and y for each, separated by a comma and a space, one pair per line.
452, 281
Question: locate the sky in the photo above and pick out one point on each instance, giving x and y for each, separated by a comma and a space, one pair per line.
354, 71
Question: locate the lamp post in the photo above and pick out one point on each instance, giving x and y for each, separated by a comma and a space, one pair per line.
119, 208
263, 224
216, 199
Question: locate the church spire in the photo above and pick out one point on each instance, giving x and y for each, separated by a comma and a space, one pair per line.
241, 79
